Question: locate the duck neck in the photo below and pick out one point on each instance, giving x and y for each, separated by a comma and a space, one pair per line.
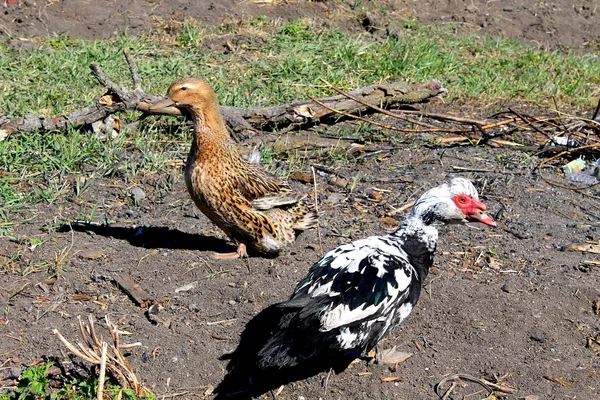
210, 135
418, 240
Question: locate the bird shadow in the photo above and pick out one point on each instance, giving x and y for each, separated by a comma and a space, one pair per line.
244, 380
152, 237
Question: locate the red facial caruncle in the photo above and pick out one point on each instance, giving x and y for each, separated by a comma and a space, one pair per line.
474, 210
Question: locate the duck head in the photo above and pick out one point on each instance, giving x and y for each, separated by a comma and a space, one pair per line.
193, 95
454, 202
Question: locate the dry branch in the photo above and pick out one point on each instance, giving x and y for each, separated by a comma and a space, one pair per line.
304, 112
139, 296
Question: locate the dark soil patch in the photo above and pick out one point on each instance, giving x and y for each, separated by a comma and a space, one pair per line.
560, 23
499, 301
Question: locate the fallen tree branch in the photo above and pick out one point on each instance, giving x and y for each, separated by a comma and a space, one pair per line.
303, 112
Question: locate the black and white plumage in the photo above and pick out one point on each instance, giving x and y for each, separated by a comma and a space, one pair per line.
355, 295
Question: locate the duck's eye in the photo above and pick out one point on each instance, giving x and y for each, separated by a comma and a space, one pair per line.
462, 199
184, 88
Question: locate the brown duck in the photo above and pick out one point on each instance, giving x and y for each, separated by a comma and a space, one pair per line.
252, 207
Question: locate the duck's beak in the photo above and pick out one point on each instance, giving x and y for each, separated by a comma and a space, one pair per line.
164, 103
479, 215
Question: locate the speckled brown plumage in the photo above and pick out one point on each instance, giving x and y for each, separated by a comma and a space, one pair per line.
251, 206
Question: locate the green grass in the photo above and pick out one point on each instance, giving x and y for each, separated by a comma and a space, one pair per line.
34, 384
290, 63
274, 64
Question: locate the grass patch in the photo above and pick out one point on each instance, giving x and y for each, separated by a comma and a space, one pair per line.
34, 384
265, 64
271, 65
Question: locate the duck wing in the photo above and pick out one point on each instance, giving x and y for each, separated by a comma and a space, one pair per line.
359, 281
273, 200
254, 182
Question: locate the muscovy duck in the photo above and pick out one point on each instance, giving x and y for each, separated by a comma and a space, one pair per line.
351, 298
253, 207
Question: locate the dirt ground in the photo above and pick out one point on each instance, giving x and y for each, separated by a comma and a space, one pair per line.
560, 23
504, 302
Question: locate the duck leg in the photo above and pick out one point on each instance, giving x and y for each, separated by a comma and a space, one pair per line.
239, 253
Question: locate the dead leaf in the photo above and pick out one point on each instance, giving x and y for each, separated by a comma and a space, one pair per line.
596, 307
106, 100
392, 356
209, 390
186, 288
388, 222
594, 344
299, 176
338, 182
376, 195
392, 379
153, 314
499, 386
356, 148
314, 247
584, 247
559, 379
494, 263
453, 139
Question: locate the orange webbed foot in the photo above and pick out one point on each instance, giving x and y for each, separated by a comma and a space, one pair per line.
239, 253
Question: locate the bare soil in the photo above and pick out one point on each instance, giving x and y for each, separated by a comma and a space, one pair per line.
555, 24
503, 302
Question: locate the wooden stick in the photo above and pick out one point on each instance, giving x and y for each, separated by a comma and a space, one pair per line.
102, 375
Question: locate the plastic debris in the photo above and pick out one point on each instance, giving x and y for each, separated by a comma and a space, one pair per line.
578, 171
582, 177
564, 141
574, 166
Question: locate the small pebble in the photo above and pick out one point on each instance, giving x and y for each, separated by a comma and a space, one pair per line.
536, 338
138, 194
509, 286
335, 198
14, 373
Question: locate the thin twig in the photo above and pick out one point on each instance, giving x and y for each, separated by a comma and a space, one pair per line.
317, 209
106, 81
327, 171
137, 84
357, 117
535, 128
458, 377
432, 129
102, 375
465, 169
391, 114
97, 354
